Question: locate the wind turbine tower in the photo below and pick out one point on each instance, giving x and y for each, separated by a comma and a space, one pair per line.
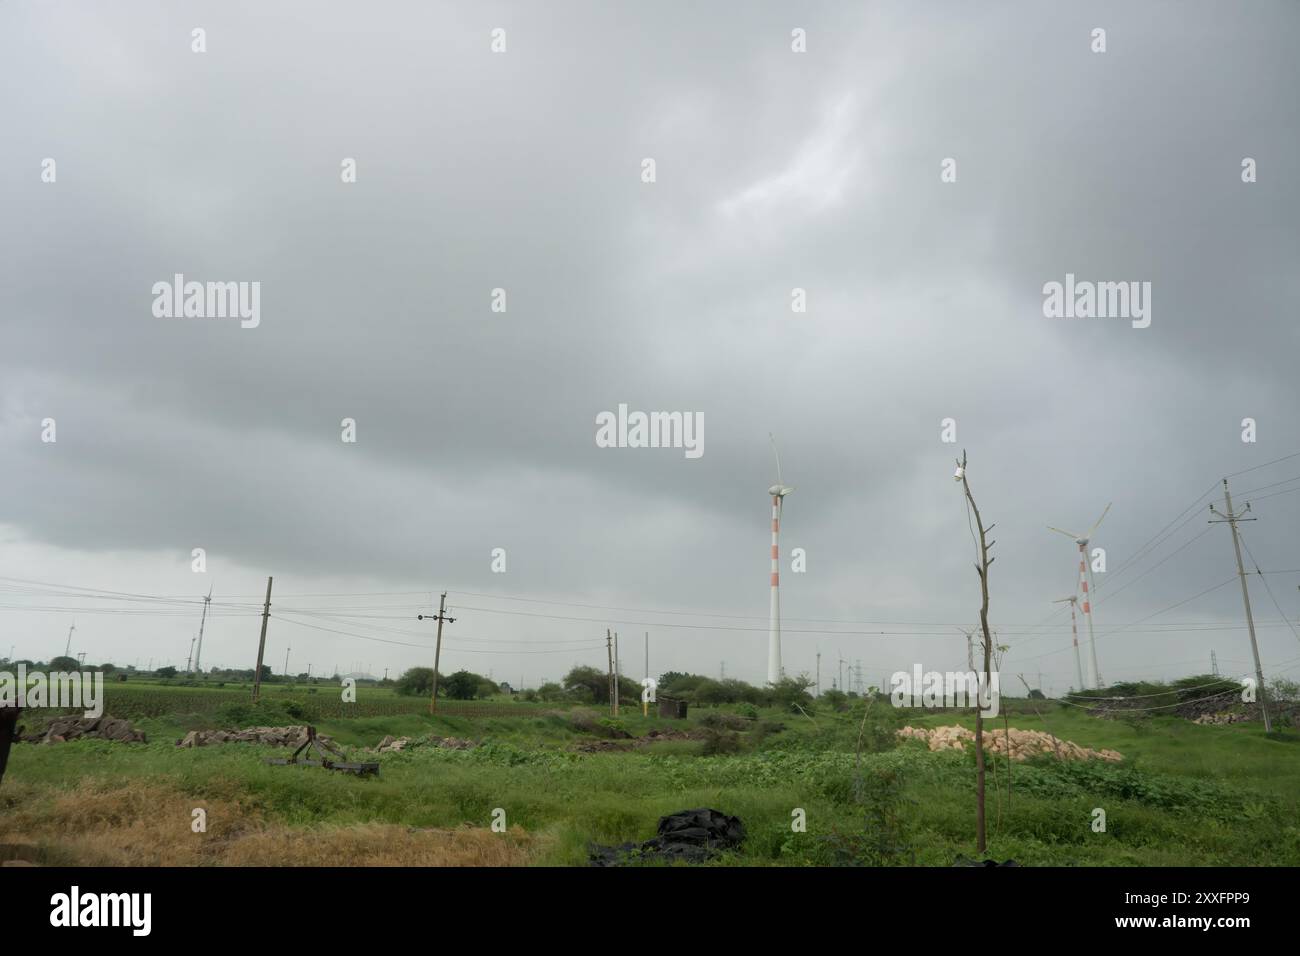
1085, 574
778, 492
198, 653
1074, 627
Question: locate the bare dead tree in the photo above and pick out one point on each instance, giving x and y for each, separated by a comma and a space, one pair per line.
982, 569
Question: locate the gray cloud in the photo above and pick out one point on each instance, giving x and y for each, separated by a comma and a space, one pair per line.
774, 171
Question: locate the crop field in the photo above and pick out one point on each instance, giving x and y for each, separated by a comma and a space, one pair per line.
562, 779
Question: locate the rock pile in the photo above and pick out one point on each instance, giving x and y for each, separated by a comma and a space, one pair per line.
101, 728
1229, 718
270, 736
391, 744
1023, 743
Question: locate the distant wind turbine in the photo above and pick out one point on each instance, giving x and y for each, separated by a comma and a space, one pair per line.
778, 492
1085, 573
1074, 626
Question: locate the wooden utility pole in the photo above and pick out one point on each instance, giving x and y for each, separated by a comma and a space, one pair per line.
1232, 518
261, 644
983, 570
437, 649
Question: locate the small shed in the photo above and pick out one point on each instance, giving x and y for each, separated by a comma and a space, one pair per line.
672, 709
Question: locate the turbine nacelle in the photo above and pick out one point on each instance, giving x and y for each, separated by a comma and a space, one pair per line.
1081, 539
779, 491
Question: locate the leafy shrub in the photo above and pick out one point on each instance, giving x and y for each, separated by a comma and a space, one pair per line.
883, 838
720, 720
720, 742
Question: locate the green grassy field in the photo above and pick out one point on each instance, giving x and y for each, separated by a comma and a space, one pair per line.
1184, 794
141, 698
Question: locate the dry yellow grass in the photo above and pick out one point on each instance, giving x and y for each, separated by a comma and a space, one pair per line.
149, 825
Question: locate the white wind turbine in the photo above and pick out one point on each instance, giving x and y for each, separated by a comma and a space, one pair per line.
1074, 627
1085, 573
778, 492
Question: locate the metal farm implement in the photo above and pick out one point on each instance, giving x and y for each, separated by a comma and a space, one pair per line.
361, 769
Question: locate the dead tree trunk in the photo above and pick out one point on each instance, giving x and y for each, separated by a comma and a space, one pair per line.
982, 568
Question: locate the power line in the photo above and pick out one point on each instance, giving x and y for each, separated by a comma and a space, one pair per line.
1177, 550
1265, 465
1140, 620
1264, 581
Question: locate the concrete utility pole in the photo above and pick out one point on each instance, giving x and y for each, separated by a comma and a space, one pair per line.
616, 673
1232, 518
198, 653
190, 658
437, 651
286, 660
609, 668
261, 644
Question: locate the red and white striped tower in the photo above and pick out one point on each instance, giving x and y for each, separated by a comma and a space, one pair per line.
774, 620
1074, 630
778, 492
1082, 541
1087, 614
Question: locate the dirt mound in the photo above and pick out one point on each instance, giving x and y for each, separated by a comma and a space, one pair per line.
1023, 743
601, 746
652, 737
656, 734
391, 744
62, 729
269, 736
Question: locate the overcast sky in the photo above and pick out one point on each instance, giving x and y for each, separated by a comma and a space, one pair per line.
522, 170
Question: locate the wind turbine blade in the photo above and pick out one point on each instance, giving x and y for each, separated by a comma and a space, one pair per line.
1068, 534
1099, 520
779, 479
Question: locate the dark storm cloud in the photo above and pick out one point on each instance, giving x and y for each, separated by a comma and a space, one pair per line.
775, 171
